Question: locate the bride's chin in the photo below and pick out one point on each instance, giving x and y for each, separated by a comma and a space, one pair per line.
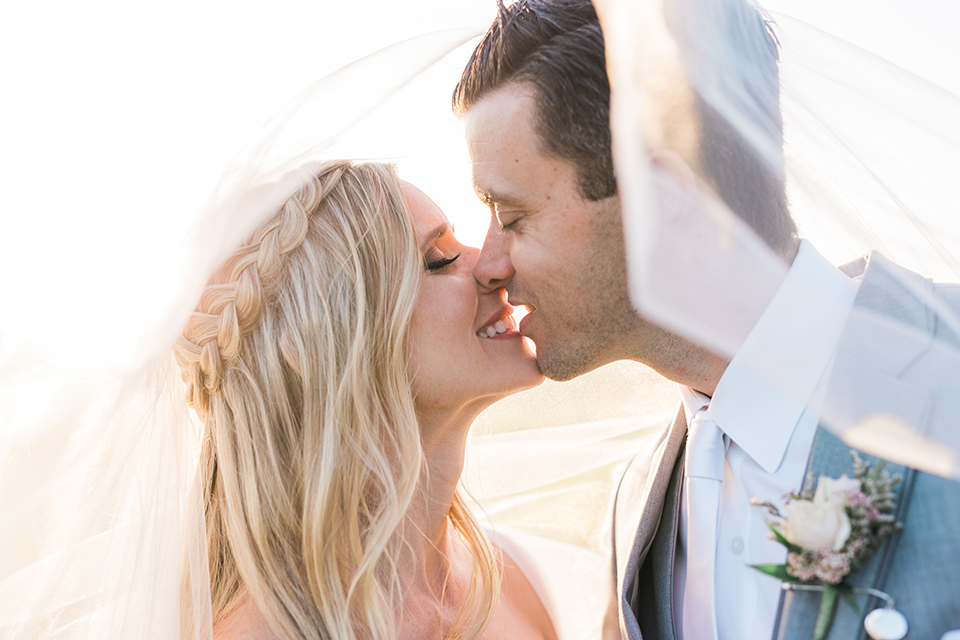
536, 376
528, 379
522, 381
536, 382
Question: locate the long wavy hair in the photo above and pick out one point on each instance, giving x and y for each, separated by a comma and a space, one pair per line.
295, 362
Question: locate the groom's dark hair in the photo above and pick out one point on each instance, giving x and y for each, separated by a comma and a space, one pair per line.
556, 46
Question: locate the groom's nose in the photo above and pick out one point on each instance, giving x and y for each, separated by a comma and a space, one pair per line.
493, 268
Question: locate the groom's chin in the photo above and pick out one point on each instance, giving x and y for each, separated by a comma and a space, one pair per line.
561, 367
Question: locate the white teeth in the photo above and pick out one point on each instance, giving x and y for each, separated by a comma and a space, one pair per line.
497, 328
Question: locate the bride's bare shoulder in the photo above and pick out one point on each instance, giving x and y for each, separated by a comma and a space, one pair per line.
520, 602
244, 622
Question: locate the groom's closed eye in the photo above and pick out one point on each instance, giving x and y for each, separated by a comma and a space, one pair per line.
507, 219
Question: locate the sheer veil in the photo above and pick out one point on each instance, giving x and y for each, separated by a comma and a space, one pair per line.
102, 527
100, 530
868, 154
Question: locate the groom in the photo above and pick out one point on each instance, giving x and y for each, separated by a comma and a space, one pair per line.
534, 100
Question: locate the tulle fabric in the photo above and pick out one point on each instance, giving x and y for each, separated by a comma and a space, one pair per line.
869, 155
101, 520
100, 525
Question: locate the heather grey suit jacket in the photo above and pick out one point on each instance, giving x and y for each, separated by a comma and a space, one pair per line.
920, 567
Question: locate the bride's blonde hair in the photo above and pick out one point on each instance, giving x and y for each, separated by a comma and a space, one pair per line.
295, 361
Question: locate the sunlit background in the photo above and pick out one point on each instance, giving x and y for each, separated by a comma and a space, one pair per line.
118, 119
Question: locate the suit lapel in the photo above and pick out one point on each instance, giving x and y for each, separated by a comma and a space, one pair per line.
887, 330
640, 501
652, 599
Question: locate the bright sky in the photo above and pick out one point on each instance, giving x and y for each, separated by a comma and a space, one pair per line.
117, 121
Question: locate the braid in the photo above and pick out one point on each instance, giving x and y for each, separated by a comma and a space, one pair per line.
231, 305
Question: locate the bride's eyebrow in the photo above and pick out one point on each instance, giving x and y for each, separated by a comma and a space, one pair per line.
435, 234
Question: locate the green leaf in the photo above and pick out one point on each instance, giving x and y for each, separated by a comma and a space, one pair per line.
828, 607
874, 473
778, 571
779, 536
846, 592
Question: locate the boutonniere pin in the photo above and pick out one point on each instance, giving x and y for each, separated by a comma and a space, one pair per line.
828, 532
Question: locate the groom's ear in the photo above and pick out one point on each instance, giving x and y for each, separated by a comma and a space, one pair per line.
674, 167
675, 182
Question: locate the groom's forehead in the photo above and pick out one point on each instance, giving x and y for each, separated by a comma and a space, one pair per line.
503, 142
503, 117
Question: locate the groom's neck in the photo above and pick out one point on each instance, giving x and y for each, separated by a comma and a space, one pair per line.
701, 375
684, 362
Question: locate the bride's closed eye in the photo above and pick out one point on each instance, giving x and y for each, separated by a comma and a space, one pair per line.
434, 263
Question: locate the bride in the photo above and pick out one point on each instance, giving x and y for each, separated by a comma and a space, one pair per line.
337, 360
334, 364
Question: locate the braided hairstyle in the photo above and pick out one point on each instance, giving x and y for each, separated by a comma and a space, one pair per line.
295, 361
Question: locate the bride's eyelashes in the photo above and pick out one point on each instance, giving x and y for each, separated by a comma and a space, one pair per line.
435, 264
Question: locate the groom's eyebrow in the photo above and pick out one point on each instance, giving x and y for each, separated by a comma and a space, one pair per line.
492, 198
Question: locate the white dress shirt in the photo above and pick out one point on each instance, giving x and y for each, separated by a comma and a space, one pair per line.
768, 405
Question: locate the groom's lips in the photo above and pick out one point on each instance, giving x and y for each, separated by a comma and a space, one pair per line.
526, 319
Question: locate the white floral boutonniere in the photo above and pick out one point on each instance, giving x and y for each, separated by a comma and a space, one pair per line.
830, 531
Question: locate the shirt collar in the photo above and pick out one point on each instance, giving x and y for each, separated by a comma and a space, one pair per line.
764, 390
693, 401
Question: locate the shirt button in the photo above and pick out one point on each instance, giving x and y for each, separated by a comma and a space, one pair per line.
737, 546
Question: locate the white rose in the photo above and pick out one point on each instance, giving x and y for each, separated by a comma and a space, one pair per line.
816, 526
835, 489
